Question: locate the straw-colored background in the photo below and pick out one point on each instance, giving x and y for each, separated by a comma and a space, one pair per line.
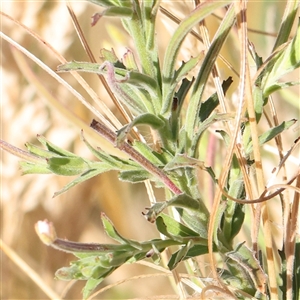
26, 113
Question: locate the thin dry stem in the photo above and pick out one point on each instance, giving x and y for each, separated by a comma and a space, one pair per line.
262, 197
34, 276
90, 54
218, 85
80, 80
290, 241
278, 140
133, 278
223, 177
55, 76
260, 181
257, 156
45, 93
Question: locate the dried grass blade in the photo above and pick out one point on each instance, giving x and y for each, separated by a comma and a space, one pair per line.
290, 242
93, 60
80, 80
28, 271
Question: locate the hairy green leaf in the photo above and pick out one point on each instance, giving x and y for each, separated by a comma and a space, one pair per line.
39, 151
193, 251
114, 161
176, 228
287, 22
135, 176
113, 233
270, 134
34, 168
67, 166
192, 117
202, 10
102, 167
246, 267
163, 228
283, 62
183, 161
148, 153
180, 255
193, 212
53, 148
92, 283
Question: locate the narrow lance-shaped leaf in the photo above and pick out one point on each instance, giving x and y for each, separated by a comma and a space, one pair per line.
138, 31
125, 94
232, 213
53, 148
186, 67
287, 60
192, 148
113, 233
145, 83
202, 10
192, 116
148, 153
178, 229
113, 161
91, 284
162, 228
244, 265
282, 85
196, 220
81, 66
287, 22
149, 11
181, 254
188, 251
177, 104
270, 134
121, 81
40, 151
135, 176
101, 168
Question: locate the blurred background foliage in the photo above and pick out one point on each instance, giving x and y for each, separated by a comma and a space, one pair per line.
25, 112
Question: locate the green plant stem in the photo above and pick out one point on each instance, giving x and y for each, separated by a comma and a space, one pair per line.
110, 136
47, 234
72, 247
75, 247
